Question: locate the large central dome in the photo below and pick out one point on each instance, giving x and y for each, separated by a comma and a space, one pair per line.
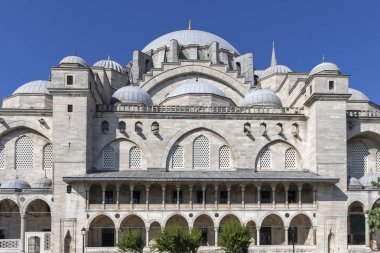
189, 37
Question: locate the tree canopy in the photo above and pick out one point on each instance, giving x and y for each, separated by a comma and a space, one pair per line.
234, 238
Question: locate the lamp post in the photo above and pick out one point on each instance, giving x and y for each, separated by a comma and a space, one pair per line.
292, 234
83, 231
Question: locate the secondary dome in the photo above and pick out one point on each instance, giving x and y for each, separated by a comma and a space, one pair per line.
324, 66
189, 37
262, 97
15, 184
276, 69
34, 87
109, 64
357, 95
43, 183
131, 95
73, 60
196, 88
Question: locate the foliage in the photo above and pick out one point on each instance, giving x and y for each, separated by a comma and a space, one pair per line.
175, 239
374, 214
131, 242
234, 238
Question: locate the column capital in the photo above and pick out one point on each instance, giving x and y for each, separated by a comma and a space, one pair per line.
147, 186
273, 186
299, 186
242, 187
203, 187
216, 186
131, 187
104, 185
178, 187
216, 229
163, 187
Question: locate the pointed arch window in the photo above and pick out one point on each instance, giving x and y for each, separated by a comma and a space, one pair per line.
48, 156
201, 153
265, 159
135, 158
358, 159
290, 159
224, 157
178, 157
24, 153
108, 157
2, 156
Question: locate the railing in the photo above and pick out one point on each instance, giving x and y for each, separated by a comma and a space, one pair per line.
199, 109
282, 249
8, 244
360, 114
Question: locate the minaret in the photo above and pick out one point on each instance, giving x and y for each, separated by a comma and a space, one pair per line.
274, 60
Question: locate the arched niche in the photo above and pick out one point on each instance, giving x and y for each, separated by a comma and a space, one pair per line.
177, 220
272, 231
101, 232
10, 219
356, 224
206, 226
37, 216
303, 230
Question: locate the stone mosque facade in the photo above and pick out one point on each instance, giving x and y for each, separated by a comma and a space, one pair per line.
188, 133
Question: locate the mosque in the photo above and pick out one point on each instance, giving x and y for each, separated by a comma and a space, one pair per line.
189, 132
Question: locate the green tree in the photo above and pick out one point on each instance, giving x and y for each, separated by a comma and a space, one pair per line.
131, 242
175, 239
234, 238
374, 214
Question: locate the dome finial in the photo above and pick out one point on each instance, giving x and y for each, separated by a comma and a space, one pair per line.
323, 57
108, 58
274, 60
75, 51
189, 24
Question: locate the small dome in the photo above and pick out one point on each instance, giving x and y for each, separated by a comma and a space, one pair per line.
276, 69
357, 95
15, 184
73, 60
34, 87
354, 182
262, 97
324, 66
196, 88
109, 64
131, 95
367, 179
43, 183
189, 37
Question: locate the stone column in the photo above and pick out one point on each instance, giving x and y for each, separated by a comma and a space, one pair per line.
116, 234
87, 196
147, 237
229, 196
147, 196
286, 236
258, 236
191, 196
204, 196
259, 196
118, 196
314, 196
242, 196
22, 233
103, 195
216, 195
367, 231
300, 196
216, 229
287, 196
163, 188
131, 187
314, 235
274, 196
178, 188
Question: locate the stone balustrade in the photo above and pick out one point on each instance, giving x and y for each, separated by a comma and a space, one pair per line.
363, 114
6, 245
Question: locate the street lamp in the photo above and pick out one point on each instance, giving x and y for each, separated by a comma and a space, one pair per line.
83, 231
292, 234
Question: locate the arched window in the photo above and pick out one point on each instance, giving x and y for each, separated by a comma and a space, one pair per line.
177, 158
2, 156
201, 153
24, 153
224, 157
358, 164
265, 159
48, 156
378, 161
108, 158
290, 159
135, 158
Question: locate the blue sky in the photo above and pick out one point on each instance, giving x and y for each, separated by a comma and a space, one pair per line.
35, 35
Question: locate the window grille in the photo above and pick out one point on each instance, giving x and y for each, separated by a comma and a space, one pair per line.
224, 157
2, 156
378, 161
290, 159
108, 158
24, 153
201, 153
48, 156
265, 159
359, 159
177, 158
135, 158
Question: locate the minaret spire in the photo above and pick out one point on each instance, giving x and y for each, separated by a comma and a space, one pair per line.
189, 24
274, 60
323, 57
